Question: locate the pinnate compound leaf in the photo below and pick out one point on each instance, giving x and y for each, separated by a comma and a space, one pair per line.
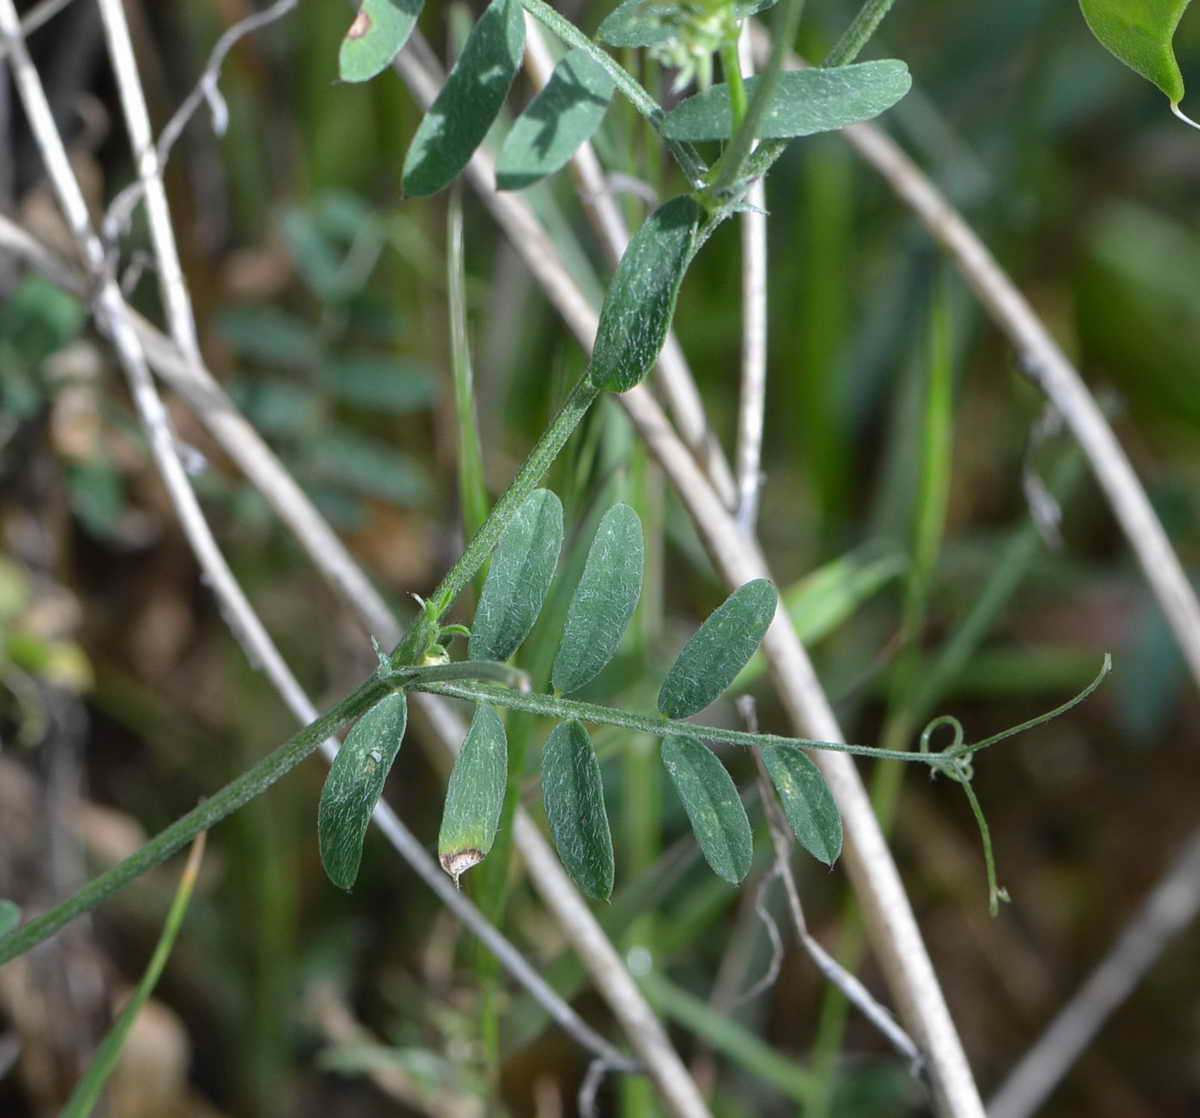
603, 602
713, 806
354, 785
521, 572
376, 36
469, 102
804, 103
720, 648
1139, 33
807, 801
574, 796
562, 117
640, 301
10, 916
475, 795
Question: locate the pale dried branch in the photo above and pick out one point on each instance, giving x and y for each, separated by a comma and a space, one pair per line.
752, 400
206, 89
850, 986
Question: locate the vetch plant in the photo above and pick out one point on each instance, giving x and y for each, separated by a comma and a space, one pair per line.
523, 533
520, 541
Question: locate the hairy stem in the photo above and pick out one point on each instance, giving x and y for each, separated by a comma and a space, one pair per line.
732, 70
253, 782
859, 33
729, 167
582, 396
552, 706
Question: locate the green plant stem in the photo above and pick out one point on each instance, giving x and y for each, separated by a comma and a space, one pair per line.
582, 396
689, 162
756, 163
996, 894
465, 669
253, 782
859, 33
552, 706
731, 68
730, 167
87, 1092
472, 492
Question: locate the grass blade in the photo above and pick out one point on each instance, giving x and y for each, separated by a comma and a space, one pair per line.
472, 488
10, 916
87, 1092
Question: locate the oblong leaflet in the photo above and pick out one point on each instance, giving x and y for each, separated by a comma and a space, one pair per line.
574, 796
640, 301
474, 795
713, 806
720, 648
469, 102
354, 785
603, 602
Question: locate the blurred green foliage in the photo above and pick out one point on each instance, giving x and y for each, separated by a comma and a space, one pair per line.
1085, 188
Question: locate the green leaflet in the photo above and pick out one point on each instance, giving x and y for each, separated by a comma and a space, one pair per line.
474, 795
354, 785
469, 101
804, 102
1139, 33
563, 116
574, 796
603, 602
521, 572
713, 806
821, 601
643, 23
638, 23
640, 301
807, 801
376, 36
10, 916
720, 648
